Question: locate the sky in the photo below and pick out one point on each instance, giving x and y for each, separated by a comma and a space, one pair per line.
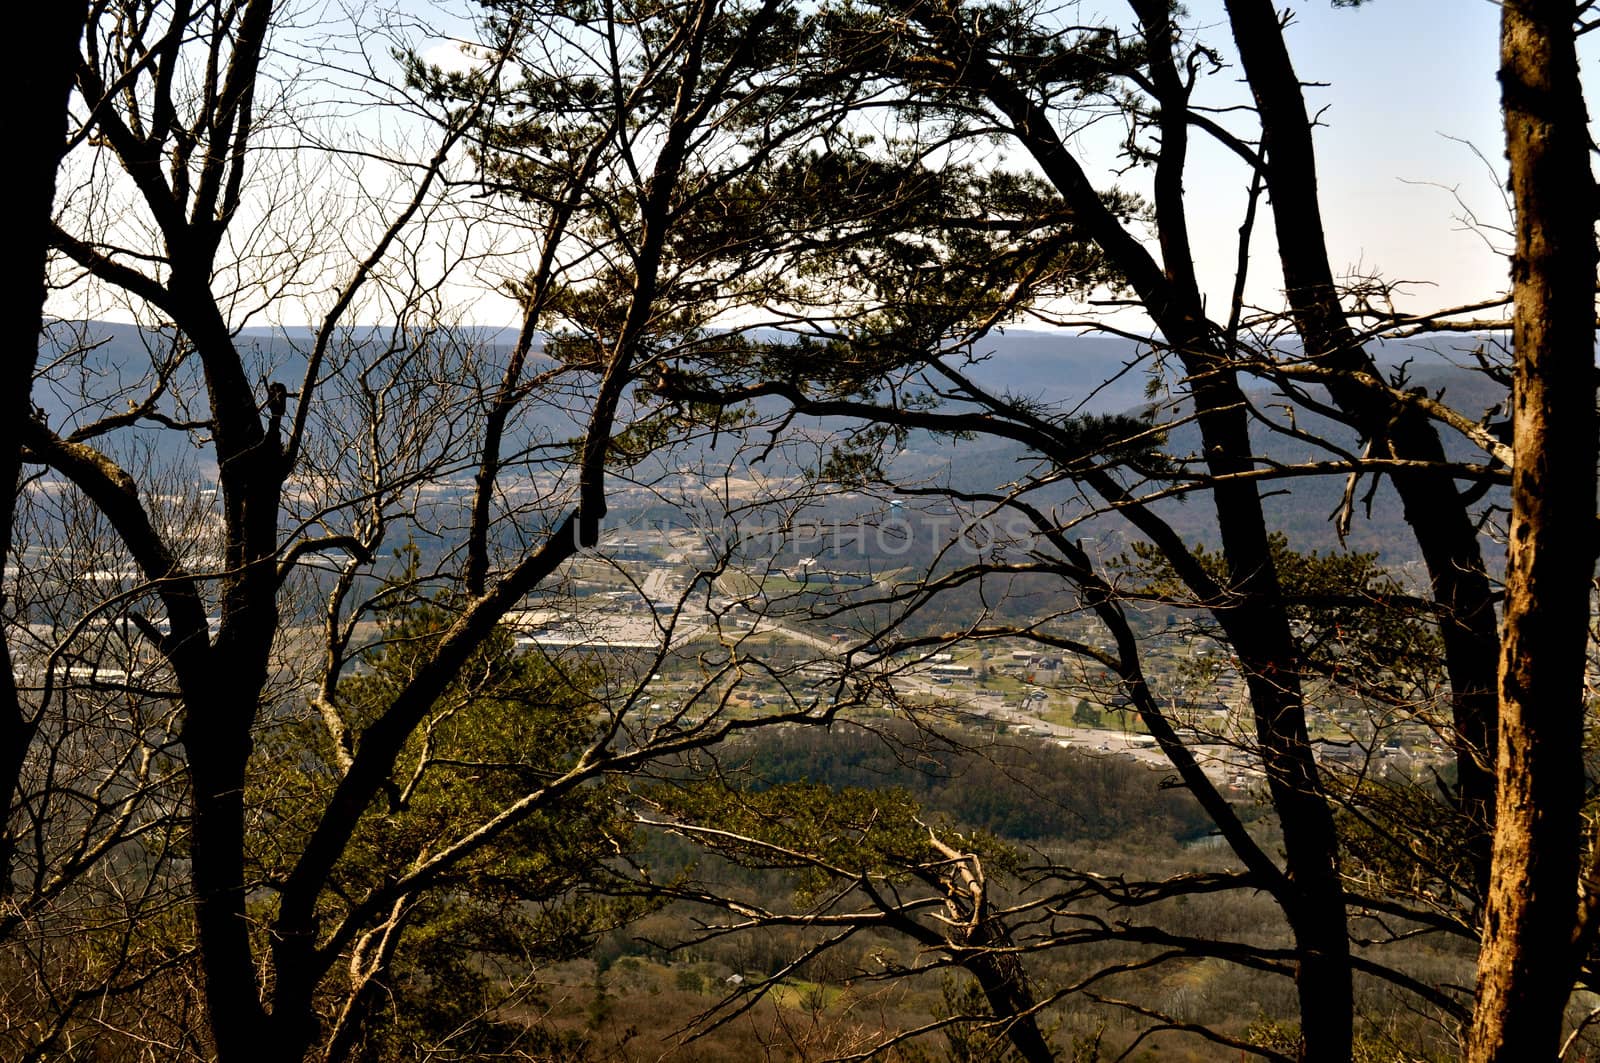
1408, 103
1409, 148
1409, 93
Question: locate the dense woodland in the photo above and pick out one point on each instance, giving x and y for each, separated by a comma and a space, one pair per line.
304, 754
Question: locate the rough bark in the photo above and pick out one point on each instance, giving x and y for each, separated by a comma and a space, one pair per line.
192, 187
1007, 990
1527, 963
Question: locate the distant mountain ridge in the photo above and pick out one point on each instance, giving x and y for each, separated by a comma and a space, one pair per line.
1066, 372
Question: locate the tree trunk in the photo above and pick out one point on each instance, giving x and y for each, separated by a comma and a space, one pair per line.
1527, 963
222, 696
1253, 614
233, 1002
1438, 517
42, 75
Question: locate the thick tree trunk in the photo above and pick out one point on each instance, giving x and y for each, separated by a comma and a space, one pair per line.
1253, 613
233, 1001
224, 687
217, 737
1315, 905
1006, 989
41, 75
1433, 507
220, 713
1527, 963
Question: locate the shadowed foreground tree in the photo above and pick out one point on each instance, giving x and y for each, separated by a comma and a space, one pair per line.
1533, 946
923, 307
43, 75
194, 199
896, 363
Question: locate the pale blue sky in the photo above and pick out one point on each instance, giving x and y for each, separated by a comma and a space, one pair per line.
1404, 76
